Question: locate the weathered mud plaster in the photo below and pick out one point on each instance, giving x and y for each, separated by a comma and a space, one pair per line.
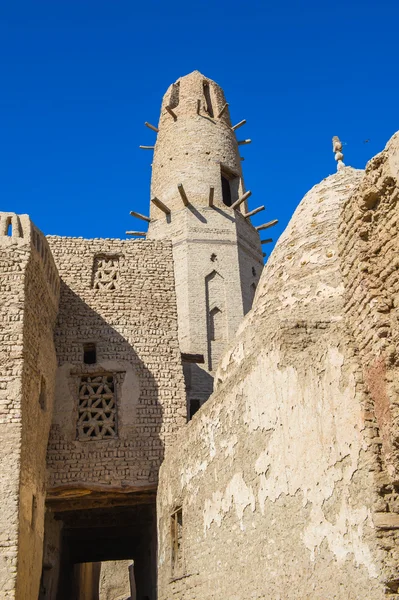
287, 512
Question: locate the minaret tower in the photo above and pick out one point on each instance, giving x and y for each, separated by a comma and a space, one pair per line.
199, 202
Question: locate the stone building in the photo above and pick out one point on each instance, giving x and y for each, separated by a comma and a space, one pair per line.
284, 483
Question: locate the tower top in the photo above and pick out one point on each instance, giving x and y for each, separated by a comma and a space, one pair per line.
196, 160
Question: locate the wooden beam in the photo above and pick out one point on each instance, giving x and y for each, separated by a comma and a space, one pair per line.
224, 107
243, 142
170, 111
151, 127
240, 124
147, 147
211, 194
137, 233
267, 241
254, 212
266, 225
160, 205
140, 216
264, 254
183, 194
193, 358
242, 158
242, 199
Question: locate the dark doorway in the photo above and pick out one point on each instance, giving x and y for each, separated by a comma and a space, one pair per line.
95, 535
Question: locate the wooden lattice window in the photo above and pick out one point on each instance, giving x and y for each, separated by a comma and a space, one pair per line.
176, 523
106, 273
97, 407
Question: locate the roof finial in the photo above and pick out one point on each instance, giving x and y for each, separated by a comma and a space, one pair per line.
337, 149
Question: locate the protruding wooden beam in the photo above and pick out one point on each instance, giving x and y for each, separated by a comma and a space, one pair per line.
211, 194
240, 124
224, 107
151, 127
254, 212
172, 114
267, 241
266, 225
160, 205
242, 158
193, 358
140, 216
183, 194
243, 142
147, 147
264, 254
137, 233
242, 199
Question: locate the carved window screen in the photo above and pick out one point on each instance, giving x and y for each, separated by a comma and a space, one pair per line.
97, 408
106, 273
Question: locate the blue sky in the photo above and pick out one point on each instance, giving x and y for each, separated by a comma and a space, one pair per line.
79, 78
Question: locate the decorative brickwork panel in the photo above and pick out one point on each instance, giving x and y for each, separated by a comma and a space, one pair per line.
97, 408
106, 272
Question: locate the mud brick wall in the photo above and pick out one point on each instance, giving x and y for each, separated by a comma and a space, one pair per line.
28, 308
129, 312
370, 265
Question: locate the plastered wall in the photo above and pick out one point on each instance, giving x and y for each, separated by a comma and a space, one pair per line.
134, 327
276, 473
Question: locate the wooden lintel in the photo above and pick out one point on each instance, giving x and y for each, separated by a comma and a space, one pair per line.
159, 204
243, 142
140, 216
267, 241
385, 520
224, 107
147, 147
240, 124
237, 203
211, 194
151, 126
183, 194
137, 233
172, 114
254, 212
193, 358
266, 225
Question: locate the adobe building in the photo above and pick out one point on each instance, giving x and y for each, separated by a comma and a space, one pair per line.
152, 418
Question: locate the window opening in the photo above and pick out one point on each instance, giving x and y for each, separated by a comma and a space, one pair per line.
97, 408
89, 354
226, 191
174, 95
9, 228
177, 542
207, 96
42, 394
230, 185
33, 512
106, 272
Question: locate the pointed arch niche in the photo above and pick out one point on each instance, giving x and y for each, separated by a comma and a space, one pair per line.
216, 317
